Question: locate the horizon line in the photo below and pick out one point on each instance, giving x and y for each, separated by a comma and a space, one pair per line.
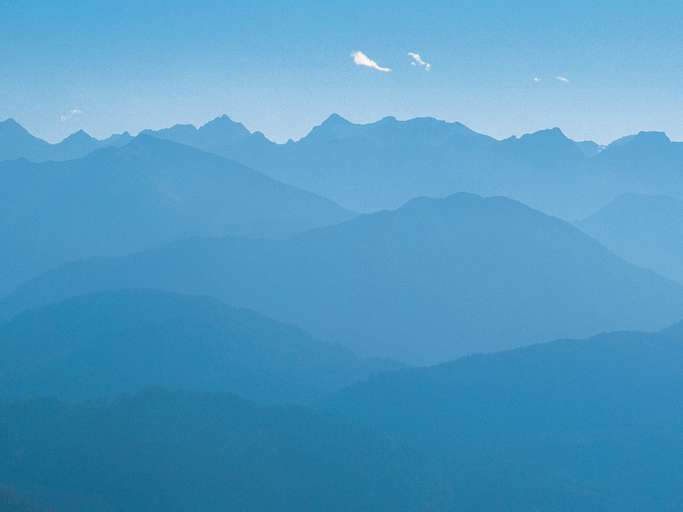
326, 119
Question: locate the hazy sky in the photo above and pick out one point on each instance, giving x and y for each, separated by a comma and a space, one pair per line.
597, 69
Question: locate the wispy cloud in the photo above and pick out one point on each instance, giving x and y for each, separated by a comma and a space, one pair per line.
419, 61
562, 78
360, 59
70, 114
536, 79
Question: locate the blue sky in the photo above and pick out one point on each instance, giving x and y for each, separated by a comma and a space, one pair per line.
282, 67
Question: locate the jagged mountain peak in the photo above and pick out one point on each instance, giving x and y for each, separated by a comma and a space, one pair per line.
554, 133
79, 136
224, 122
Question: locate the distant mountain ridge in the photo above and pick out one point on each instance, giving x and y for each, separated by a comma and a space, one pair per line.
644, 229
16, 142
383, 164
119, 200
211, 136
102, 345
367, 167
428, 282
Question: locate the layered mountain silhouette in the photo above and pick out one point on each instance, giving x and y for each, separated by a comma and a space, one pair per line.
16, 142
221, 135
120, 200
386, 163
115, 342
428, 282
164, 272
568, 425
176, 451
366, 167
644, 229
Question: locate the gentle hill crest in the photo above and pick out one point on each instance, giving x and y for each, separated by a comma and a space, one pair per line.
106, 344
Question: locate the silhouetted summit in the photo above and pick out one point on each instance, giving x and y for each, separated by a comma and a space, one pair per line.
649, 161
10, 128
642, 139
16, 142
332, 128
215, 136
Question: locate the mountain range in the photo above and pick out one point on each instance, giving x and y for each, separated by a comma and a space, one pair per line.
120, 200
16, 142
196, 318
388, 162
367, 167
433, 280
590, 424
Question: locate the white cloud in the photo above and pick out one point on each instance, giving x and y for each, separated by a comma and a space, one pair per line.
562, 78
418, 61
360, 59
536, 79
70, 114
